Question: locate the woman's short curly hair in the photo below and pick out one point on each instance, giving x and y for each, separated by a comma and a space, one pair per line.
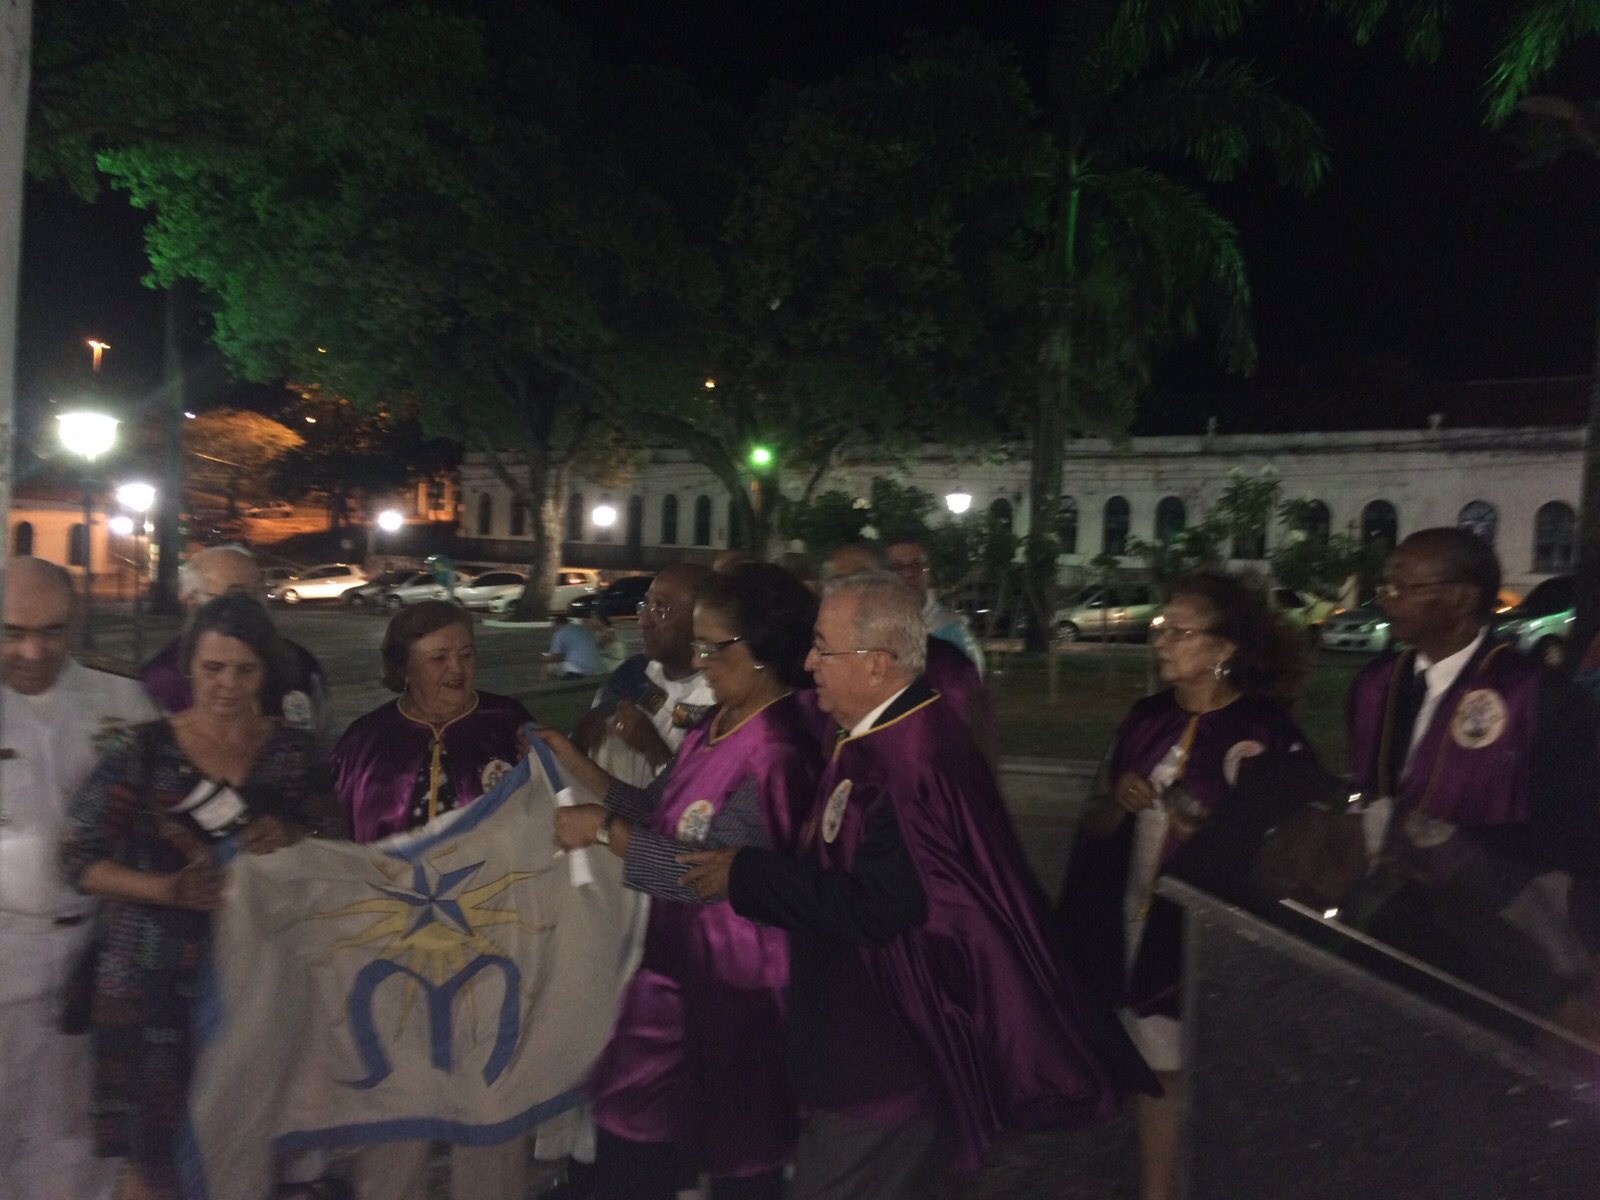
243, 618
1268, 660
408, 627
771, 610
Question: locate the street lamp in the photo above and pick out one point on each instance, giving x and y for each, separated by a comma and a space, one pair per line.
88, 435
390, 520
97, 349
958, 503
138, 498
604, 516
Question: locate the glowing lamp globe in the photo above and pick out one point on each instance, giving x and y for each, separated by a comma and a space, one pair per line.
87, 434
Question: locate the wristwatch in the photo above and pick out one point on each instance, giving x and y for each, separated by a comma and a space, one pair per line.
602, 836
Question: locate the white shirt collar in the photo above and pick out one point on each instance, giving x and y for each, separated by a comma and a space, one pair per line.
866, 722
1442, 674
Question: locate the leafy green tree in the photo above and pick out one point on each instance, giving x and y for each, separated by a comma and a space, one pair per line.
231, 452
495, 241
876, 272
351, 455
1134, 259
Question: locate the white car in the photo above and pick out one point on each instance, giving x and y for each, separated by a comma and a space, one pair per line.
572, 582
496, 591
327, 582
272, 510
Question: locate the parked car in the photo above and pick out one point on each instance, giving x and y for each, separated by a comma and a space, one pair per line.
619, 598
371, 592
1541, 623
1113, 611
272, 510
1303, 610
270, 576
573, 583
1363, 628
496, 591
421, 585
327, 582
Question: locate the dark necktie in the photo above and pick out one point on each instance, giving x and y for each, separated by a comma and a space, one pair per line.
1408, 705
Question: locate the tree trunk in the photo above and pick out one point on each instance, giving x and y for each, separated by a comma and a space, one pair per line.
1587, 622
1044, 477
169, 497
546, 489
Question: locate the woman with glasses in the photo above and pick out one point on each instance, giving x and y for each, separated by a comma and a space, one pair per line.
1230, 667
693, 1079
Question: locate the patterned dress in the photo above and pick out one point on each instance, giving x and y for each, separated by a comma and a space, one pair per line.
149, 956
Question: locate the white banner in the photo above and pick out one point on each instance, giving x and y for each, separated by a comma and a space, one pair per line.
451, 983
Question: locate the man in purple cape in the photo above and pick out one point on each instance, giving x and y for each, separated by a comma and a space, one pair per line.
949, 669
1482, 788
929, 1006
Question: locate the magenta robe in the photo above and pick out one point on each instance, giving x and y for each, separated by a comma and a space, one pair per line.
381, 756
1010, 1035
1473, 766
697, 1055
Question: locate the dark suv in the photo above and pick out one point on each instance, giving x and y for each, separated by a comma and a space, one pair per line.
619, 598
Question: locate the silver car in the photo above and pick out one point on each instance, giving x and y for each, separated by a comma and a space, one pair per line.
1542, 622
1363, 629
1115, 611
327, 582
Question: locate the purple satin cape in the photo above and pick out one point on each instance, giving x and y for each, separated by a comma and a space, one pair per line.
1097, 872
1474, 764
1013, 1037
377, 760
955, 677
164, 681
697, 1055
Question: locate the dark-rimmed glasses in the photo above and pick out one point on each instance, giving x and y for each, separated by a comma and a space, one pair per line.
705, 650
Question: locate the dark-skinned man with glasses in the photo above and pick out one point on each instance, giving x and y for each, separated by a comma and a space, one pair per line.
1478, 775
640, 716
929, 1007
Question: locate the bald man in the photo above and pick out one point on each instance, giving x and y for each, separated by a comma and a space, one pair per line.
54, 713
216, 572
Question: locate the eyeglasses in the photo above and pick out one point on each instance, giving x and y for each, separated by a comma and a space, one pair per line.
911, 567
1178, 633
1389, 590
821, 653
705, 650
655, 608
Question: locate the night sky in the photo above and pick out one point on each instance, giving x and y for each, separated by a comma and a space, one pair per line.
1425, 258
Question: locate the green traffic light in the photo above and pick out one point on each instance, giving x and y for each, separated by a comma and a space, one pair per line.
760, 456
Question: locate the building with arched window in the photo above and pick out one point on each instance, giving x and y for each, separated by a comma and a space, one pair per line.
1518, 487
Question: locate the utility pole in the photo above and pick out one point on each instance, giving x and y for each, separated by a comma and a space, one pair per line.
16, 34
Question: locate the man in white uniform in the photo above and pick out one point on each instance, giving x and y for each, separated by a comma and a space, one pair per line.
54, 712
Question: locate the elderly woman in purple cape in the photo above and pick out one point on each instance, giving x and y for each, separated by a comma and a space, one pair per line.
1230, 667
440, 745
694, 1073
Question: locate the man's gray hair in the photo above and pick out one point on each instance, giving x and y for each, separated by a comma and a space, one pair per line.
191, 574
888, 616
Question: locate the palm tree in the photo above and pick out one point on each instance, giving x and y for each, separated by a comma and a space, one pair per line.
1538, 33
1136, 258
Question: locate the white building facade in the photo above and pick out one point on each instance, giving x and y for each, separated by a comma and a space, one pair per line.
1517, 487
